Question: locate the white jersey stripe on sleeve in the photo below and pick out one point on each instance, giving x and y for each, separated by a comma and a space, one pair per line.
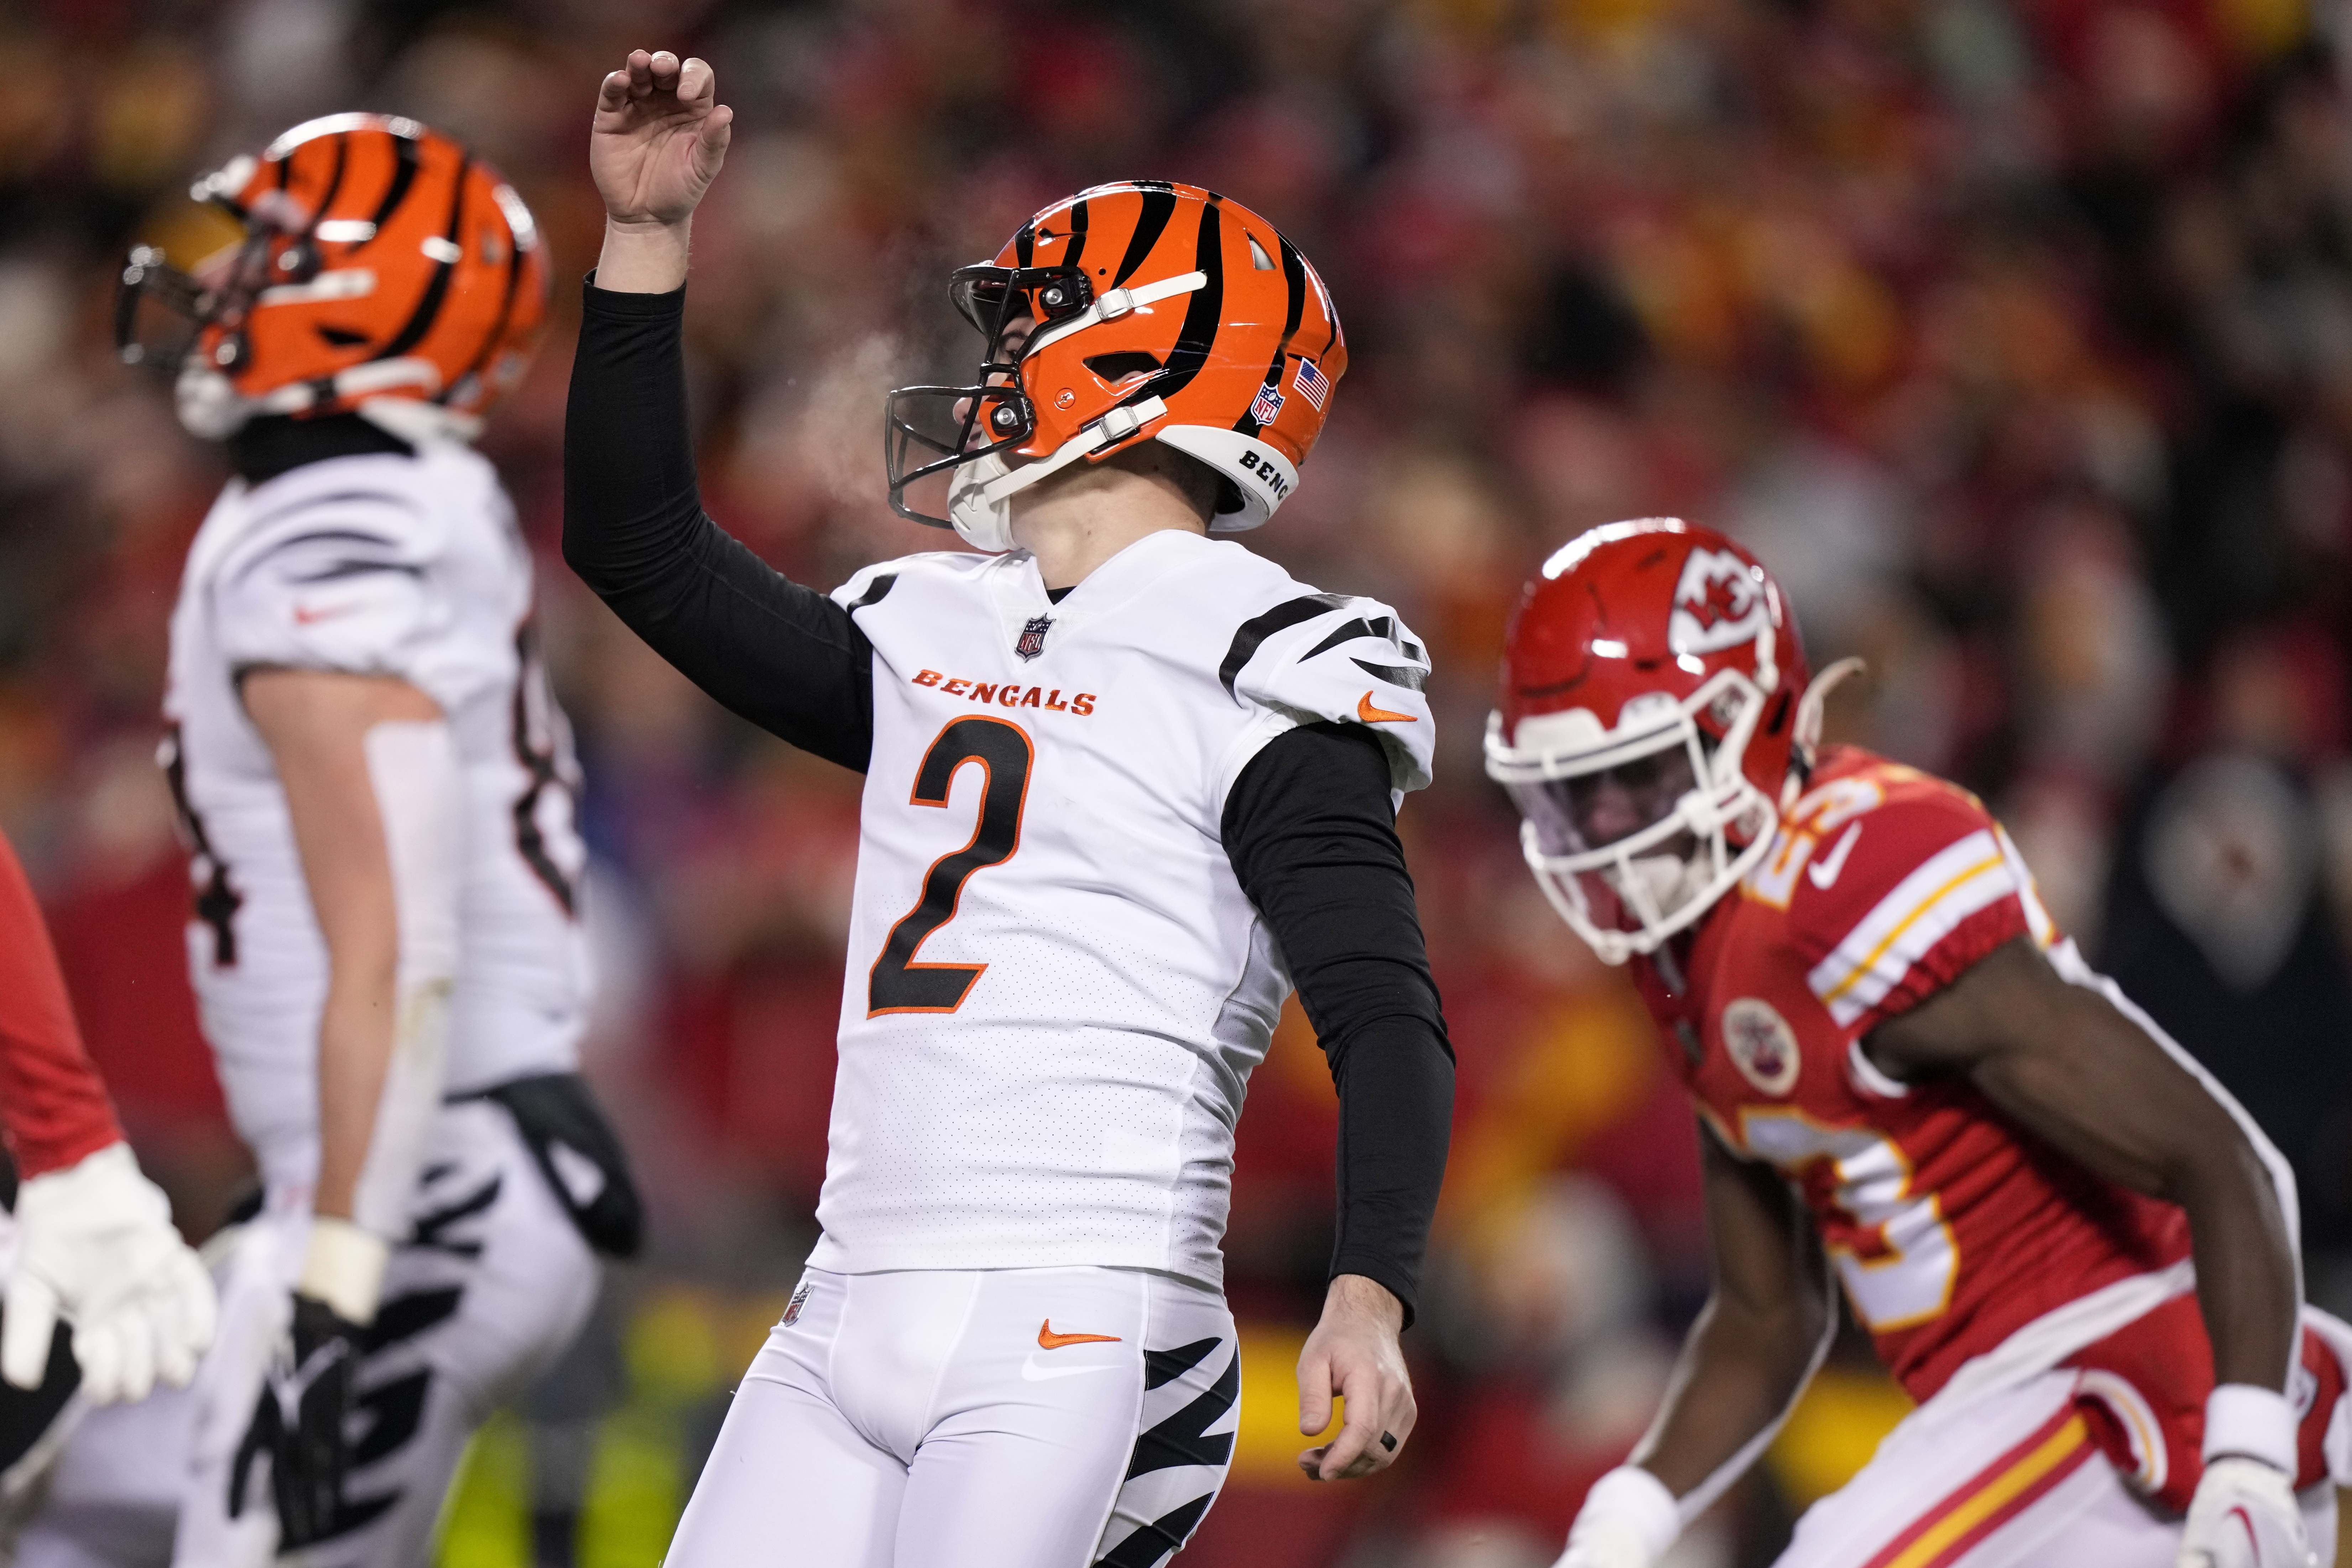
1927, 907
2044, 930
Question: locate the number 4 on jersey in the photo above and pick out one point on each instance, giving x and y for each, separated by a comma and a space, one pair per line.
897, 984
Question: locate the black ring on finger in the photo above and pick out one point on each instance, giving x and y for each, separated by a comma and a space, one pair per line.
1388, 1441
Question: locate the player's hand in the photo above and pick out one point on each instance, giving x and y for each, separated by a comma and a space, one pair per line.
96, 1245
2245, 1516
659, 137
314, 1385
1353, 1352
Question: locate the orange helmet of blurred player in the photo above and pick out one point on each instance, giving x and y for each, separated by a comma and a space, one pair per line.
1139, 310
384, 270
1657, 662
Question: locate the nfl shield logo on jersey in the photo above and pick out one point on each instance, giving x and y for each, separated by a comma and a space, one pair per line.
1033, 637
1760, 1044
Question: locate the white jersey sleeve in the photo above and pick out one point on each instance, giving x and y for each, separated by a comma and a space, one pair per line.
351, 584
1327, 657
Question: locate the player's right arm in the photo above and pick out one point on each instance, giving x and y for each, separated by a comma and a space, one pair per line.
1764, 1329
782, 655
373, 793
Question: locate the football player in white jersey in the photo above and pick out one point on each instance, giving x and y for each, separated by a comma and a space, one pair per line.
377, 789
1126, 784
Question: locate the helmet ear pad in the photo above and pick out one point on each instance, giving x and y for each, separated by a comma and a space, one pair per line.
1258, 478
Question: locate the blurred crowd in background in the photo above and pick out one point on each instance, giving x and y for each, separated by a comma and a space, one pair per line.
2015, 334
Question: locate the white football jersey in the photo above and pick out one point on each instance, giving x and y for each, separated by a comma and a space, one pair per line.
377, 565
1056, 990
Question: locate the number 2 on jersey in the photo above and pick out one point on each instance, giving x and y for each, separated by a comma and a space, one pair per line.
897, 984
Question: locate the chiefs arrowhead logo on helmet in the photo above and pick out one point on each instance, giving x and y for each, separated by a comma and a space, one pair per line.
1718, 604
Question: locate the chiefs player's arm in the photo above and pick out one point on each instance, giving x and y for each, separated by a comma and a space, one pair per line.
2061, 1061
1754, 1347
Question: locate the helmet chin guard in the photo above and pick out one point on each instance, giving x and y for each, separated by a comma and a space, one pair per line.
980, 493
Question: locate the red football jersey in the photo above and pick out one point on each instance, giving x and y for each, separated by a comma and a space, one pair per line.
1950, 1228
52, 1107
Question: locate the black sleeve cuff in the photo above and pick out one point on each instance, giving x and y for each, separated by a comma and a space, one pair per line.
637, 307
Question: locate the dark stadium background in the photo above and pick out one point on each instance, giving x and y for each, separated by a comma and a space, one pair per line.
2016, 336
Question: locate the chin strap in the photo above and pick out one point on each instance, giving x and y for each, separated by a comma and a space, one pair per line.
979, 506
1806, 737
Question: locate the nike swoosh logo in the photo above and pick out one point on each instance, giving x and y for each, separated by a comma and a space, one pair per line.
1370, 715
306, 616
2246, 1522
1824, 870
1048, 1340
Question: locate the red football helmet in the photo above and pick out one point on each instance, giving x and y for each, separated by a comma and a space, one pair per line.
1158, 312
384, 269
1655, 719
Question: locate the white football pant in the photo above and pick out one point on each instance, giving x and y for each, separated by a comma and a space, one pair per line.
2010, 1479
491, 1284
990, 1418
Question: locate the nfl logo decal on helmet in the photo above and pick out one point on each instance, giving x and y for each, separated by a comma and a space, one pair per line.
1033, 637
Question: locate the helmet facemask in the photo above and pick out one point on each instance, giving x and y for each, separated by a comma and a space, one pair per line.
1635, 833
967, 430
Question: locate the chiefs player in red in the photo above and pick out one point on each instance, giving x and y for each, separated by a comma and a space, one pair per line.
2070, 1246
92, 1239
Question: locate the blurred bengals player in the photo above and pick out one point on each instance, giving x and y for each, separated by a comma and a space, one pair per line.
2071, 1246
378, 791
1179, 769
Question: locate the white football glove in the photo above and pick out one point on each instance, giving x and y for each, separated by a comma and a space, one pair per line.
1629, 1520
94, 1245
2245, 1516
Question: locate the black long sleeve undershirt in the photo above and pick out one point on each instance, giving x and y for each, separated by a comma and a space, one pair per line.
1307, 826
1313, 841
782, 655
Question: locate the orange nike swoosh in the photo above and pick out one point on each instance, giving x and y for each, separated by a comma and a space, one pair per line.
306, 616
1048, 1340
1370, 715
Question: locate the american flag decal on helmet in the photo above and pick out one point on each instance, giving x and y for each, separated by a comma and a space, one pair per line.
1312, 384
1033, 637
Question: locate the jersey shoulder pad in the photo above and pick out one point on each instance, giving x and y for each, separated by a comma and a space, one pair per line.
1893, 883
334, 572
1309, 657
871, 584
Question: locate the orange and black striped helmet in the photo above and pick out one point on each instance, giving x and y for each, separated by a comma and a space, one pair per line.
1155, 311
384, 269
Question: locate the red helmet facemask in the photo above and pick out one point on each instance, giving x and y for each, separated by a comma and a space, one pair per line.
1656, 717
